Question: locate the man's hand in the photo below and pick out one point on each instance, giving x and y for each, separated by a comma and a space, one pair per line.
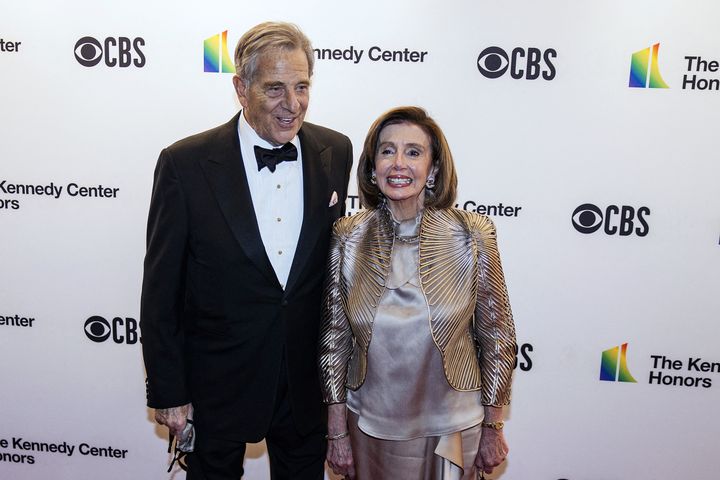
174, 418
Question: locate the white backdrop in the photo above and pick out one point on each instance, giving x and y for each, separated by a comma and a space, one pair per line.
547, 146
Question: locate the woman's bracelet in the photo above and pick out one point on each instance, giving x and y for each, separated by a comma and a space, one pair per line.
338, 436
494, 425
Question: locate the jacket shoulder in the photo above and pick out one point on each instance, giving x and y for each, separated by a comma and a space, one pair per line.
474, 224
325, 134
347, 226
203, 140
222, 138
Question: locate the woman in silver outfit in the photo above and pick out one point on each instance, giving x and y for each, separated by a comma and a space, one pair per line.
417, 338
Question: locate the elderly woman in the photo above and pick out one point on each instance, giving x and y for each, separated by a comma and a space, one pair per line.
417, 340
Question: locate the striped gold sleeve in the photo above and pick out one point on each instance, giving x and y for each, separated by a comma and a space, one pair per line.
335, 344
494, 328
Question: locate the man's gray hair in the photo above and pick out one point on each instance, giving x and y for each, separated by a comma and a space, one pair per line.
265, 37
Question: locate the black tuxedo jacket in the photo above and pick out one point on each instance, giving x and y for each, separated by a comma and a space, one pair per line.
215, 321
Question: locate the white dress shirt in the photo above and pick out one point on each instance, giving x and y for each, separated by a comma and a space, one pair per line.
277, 199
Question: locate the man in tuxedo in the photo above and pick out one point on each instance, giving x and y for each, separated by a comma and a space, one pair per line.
238, 233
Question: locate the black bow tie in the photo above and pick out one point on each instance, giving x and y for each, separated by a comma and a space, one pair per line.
267, 157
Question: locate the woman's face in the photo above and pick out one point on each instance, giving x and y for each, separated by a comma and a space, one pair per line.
403, 162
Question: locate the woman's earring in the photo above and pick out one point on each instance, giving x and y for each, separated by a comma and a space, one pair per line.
430, 183
373, 178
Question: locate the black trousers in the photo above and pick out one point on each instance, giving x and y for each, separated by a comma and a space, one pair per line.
292, 456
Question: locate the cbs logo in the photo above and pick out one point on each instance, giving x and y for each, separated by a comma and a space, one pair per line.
530, 63
614, 220
121, 330
115, 52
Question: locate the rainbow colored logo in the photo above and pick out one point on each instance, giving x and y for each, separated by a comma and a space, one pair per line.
644, 71
612, 370
217, 59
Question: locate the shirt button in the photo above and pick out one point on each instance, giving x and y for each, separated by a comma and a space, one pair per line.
279, 219
278, 185
279, 252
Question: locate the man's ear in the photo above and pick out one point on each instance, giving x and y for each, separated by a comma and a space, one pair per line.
241, 90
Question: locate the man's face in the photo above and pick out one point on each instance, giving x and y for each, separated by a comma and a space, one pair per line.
275, 102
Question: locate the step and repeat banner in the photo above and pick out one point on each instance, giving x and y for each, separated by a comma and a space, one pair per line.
587, 130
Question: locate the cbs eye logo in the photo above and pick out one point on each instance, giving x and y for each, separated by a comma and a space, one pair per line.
614, 220
121, 330
115, 52
528, 63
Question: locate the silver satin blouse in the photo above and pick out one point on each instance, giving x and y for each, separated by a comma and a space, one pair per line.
406, 394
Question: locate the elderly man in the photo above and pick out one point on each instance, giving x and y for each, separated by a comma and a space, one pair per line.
237, 241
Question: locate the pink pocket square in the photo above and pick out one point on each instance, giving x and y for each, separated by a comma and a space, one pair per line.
333, 199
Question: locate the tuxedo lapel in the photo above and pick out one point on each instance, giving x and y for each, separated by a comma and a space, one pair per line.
316, 159
225, 172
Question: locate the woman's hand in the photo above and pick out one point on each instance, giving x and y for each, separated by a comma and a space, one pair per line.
339, 452
492, 450
340, 458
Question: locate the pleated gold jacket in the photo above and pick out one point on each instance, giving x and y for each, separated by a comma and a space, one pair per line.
462, 279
